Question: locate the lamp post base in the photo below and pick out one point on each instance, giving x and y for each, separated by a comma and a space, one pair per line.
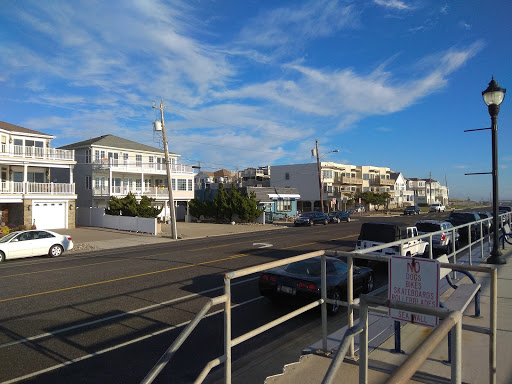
496, 258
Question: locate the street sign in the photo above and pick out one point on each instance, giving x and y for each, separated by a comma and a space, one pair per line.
415, 281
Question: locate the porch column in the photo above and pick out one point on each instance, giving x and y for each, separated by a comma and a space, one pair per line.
71, 174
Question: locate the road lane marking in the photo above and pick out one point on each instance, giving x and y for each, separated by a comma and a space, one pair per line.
118, 346
108, 318
143, 274
121, 278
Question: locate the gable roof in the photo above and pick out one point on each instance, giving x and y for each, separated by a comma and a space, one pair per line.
17, 128
114, 142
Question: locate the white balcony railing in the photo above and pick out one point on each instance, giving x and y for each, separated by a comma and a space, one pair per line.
158, 168
154, 192
36, 152
11, 187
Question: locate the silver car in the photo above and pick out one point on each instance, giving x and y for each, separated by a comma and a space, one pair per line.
443, 240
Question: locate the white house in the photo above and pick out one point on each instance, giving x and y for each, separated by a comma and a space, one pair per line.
29, 193
112, 166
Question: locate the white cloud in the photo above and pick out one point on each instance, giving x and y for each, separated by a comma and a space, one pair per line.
395, 4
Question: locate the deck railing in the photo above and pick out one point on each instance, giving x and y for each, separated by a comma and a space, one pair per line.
36, 152
12, 187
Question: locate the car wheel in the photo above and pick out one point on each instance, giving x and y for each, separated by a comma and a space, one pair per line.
369, 284
348, 219
2, 257
333, 309
326, 222
55, 250
311, 223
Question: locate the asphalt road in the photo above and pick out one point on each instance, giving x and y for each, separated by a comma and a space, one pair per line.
107, 316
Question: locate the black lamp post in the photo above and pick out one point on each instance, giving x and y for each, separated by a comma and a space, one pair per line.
493, 96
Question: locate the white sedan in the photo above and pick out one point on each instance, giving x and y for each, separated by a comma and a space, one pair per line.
35, 242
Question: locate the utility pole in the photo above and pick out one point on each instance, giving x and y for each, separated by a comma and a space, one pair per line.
430, 181
174, 234
320, 179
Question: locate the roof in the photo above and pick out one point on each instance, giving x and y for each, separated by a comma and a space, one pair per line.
222, 173
113, 142
17, 128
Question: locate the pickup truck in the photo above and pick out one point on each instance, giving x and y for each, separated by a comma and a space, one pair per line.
378, 233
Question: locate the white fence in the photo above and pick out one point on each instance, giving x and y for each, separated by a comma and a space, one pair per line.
96, 217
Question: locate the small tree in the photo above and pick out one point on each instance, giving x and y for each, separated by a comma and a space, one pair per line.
129, 206
222, 206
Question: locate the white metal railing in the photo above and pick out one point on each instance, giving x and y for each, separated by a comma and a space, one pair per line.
159, 168
37, 152
37, 188
351, 304
155, 192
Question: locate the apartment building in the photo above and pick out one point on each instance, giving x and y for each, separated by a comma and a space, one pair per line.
110, 166
428, 191
339, 182
255, 177
29, 193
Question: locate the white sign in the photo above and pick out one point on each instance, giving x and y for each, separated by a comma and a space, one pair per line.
414, 281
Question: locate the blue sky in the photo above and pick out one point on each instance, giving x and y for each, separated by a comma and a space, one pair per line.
251, 83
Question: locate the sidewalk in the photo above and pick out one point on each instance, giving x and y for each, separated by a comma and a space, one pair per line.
93, 238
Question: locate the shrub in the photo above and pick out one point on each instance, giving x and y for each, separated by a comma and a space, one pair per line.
4, 231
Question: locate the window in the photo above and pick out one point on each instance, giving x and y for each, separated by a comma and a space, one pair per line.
138, 160
17, 177
87, 156
125, 158
327, 174
34, 177
287, 176
283, 206
18, 142
190, 185
151, 161
173, 183
102, 154
88, 182
96, 182
182, 184
96, 156
366, 176
138, 183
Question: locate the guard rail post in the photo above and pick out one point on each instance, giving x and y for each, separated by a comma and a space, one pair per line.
350, 301
323, 285
227, 330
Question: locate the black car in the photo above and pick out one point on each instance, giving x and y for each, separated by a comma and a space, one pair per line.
311, 218
412, 210
487, 225
460, 218
301, 281
339, 216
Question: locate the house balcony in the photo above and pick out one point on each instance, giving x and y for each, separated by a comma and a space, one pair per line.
383, 182
11, 187
37, 153
158, 193
348, 180
139, 167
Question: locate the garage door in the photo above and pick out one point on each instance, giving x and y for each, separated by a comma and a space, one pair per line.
49, 215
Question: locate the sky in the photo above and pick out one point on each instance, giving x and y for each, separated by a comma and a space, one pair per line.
249, 83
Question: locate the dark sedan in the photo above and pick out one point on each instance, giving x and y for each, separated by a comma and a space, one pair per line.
339, 216
301, 281
412, 210
311, 218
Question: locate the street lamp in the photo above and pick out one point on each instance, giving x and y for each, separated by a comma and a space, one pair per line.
320, 184
493, 97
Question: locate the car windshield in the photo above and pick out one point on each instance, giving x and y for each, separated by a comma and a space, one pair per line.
8, 237
305, 267
331, 214
308, 214
427, 227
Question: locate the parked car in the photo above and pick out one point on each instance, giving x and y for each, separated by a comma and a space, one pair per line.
506, 209
360, 208
488, 225
437, 207
412, 210
444, 240
301, 281
377, 233
311, 218
339, 216
460, 218
33, 243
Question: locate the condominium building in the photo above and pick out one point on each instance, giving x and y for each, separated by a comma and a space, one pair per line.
110, 166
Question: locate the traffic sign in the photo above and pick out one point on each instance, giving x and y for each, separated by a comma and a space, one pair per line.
415, 281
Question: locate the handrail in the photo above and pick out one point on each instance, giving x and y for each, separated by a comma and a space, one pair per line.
166, 357
351, 304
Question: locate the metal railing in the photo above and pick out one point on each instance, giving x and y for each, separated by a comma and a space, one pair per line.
351, 304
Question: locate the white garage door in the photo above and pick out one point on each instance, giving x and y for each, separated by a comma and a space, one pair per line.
49, 214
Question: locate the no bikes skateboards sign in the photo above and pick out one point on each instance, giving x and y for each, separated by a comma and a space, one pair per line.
414, 281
